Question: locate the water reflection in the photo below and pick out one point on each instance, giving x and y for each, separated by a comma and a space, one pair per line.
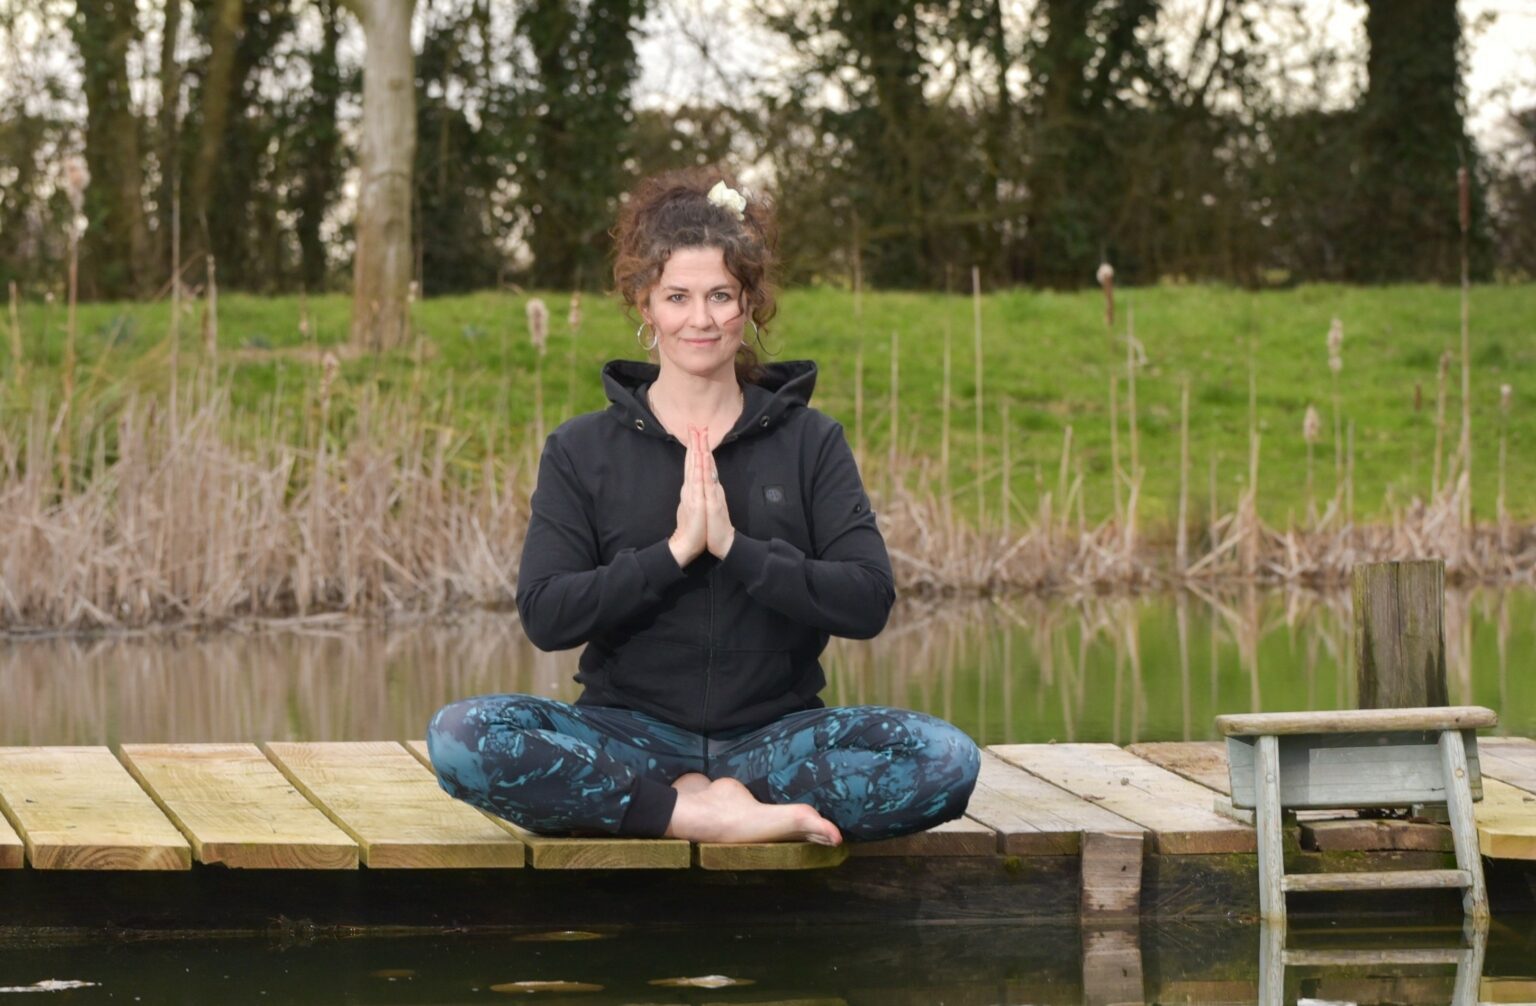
805, 964
1013, 670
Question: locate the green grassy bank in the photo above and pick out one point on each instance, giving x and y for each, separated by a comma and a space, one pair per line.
1048, 356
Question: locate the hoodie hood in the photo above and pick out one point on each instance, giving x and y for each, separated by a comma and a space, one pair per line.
783, 387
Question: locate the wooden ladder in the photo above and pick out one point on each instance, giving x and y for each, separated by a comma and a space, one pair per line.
1355, 759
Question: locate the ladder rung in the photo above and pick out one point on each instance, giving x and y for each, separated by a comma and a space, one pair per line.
1346, 958
1393, 880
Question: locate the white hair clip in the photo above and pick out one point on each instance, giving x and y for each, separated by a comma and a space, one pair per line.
727, 197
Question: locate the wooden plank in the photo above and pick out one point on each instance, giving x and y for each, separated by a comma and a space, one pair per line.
392, 806
1399, 610
75, 808
546, 852
1365, 834
960, 837
1357, 721
1377, 769
1345, 958
1509, 759
770, 856
12, 853
1033, 817
237, 809
1203, 762
1386, 880
1506, 821
1178, 812
1111, 868
1507, 990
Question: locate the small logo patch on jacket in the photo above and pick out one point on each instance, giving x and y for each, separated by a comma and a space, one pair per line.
773, 494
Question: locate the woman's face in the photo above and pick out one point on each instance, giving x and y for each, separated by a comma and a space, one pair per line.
696, 312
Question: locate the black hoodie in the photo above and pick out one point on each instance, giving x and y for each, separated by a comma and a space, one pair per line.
723, 644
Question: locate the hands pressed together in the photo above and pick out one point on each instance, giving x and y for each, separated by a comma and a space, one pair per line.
703, 522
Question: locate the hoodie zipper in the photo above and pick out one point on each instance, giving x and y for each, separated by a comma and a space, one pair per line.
709, 667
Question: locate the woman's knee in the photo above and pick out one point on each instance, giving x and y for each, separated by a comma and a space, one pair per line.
458, 732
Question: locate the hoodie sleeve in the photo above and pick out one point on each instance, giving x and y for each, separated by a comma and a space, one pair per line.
564, 595
846, 587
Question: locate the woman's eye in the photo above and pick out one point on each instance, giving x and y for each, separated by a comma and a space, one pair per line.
720, 297
676, 298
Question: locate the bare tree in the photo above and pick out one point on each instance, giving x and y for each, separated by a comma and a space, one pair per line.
381, 268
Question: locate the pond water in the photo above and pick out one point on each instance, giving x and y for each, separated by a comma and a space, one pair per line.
1119, 669
799, 964
1024, 670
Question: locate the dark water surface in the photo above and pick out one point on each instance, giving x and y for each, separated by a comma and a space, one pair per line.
1154, 667
792, 963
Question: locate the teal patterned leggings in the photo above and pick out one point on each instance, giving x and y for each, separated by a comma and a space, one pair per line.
557, 768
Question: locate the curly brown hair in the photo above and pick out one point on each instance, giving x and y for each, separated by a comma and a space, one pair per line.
672, 210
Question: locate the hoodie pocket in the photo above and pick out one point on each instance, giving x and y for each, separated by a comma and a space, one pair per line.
661, 677
774, 511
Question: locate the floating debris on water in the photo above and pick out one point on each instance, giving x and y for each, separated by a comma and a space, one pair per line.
559, 936
702, 982
546, 987
392, 973
51, 985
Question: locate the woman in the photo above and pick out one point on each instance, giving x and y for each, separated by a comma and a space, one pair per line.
703, 536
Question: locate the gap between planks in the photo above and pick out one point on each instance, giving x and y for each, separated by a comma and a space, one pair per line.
237, 809
550, 853
76, 808
388, 803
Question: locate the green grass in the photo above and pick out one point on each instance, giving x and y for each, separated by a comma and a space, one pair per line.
1047, 353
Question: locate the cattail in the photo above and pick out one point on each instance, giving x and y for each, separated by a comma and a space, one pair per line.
1311, 425
538, 324
1506, 395
1106, 277
330, 366
1464, 199
1336, 346
574, 318
77, 178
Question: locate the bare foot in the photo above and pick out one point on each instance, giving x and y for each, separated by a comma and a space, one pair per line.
691, 782
726, 811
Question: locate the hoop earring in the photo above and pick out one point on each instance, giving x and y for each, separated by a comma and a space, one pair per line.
755, 334
655, 337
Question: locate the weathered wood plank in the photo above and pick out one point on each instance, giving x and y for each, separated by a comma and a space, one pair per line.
1506, 821
75, 808
1509, 759
237, 809
12, 853
770, 856
1365, 834
1399, 610
1376, 769
392, 806
1033, 817
1356, 721
547, 852
960, 837
1387, 880
1178, 812
1203, 762
1111, 865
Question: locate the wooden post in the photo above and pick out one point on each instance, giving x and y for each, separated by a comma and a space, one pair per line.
1400, 634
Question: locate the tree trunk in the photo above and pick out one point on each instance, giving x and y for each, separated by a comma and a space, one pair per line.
320, 159
223, 43
118, 250
169, 128
381, 269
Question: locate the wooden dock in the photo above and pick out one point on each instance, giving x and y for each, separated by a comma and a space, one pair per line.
361, 834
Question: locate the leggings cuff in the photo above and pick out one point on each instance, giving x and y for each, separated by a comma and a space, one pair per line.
650, 809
